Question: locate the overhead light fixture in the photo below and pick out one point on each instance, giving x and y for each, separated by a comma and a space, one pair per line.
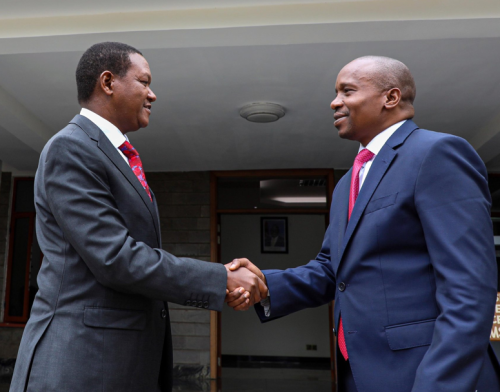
262, 112
300, 200
294, 192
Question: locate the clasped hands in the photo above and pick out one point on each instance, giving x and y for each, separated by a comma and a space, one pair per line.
246, 284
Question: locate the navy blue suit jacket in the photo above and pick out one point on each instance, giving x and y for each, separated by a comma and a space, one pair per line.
413, 272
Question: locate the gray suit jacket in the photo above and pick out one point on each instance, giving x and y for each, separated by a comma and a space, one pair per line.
99, 321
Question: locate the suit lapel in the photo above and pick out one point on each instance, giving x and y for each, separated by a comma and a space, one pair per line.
377, 171
112, 153
114, 156
343, 205
156, 217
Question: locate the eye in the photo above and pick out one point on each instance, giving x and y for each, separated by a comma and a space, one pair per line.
145, 82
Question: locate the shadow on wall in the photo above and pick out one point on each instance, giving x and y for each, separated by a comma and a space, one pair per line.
6, 370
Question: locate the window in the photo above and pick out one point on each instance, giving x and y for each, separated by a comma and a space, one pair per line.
25, 255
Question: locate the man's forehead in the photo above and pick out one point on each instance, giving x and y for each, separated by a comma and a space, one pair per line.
356, 72
139, 66
139, 61
346, 78
361, 66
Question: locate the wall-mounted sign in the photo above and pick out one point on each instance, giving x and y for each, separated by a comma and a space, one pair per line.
495, 329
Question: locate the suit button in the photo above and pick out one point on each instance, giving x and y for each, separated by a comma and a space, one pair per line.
205, 305
341, 286
163, 313
187, 303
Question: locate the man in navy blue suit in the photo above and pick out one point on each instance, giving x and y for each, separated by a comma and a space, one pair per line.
408, 255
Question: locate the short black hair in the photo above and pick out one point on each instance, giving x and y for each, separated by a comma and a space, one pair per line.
104, 56
393, 73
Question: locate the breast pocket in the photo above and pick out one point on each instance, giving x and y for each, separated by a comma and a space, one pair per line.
381, 202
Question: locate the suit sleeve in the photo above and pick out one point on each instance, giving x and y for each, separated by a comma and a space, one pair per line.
453, 203
302, 287
78, 194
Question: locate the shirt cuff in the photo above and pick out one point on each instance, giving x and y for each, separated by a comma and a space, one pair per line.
266, 304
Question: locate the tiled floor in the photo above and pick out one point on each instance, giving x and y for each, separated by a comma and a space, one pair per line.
259, 380
275, 380
265, 380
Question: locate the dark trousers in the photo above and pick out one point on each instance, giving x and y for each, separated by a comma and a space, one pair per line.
345, 377
492, 383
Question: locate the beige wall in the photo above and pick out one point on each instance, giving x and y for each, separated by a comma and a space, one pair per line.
242, 332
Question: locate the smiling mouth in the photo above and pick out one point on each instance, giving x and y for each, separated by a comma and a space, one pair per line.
148, 108
338, 118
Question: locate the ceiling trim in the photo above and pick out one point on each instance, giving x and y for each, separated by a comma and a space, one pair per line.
270, 15
263, 36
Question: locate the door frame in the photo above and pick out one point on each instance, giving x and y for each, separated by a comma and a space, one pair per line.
215, 213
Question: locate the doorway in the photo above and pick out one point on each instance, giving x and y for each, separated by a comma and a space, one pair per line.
242, 204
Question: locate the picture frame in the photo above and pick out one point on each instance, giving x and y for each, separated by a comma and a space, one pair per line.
274, 234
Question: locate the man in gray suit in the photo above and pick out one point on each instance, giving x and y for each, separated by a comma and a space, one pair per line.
100, 319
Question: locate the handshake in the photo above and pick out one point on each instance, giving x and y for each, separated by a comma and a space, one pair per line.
246, 284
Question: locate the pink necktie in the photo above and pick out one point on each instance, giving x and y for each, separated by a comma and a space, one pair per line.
135, 164
363, 156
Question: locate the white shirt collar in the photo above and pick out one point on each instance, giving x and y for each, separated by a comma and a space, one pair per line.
111, 131
378, 141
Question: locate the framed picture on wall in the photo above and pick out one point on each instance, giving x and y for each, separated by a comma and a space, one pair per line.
274, 234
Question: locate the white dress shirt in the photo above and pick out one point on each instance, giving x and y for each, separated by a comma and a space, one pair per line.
374, 146
115, 136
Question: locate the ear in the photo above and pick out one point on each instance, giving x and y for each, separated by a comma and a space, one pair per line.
392, 98
106, 81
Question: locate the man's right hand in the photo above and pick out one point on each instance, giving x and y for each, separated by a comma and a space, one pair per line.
240, 299
238, 263
251, 282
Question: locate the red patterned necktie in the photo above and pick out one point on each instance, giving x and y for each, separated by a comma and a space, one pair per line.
363, 156
135, 164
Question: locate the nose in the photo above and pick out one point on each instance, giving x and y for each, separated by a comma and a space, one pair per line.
151, 95
336, 103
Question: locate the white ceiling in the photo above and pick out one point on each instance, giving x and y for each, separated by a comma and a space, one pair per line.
202, 77
47, 8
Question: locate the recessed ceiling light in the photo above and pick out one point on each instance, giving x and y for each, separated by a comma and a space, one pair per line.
262, 112
306, 199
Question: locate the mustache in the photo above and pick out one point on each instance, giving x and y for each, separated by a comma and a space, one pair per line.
339, 114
